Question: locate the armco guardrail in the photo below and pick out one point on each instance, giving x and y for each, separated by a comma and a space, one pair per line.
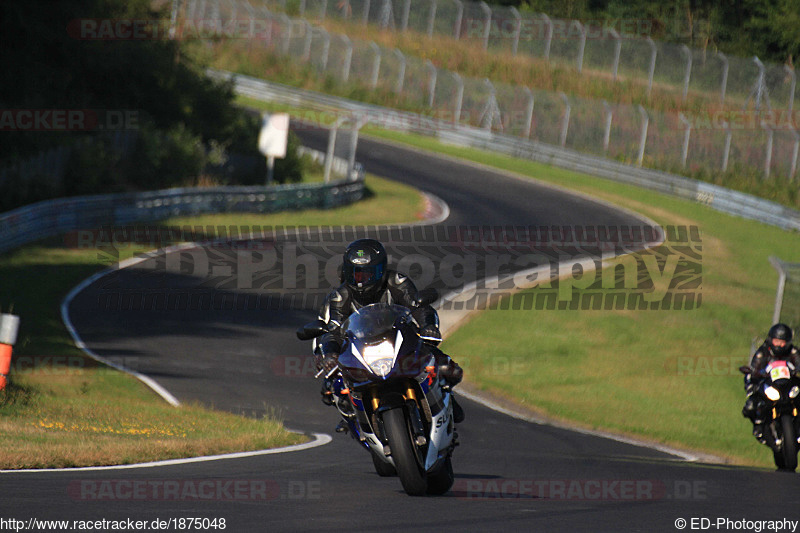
719, 198
52, 217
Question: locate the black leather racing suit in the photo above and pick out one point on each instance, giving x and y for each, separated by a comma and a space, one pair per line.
752, 408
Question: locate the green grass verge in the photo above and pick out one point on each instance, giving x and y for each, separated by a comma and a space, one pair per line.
669, 376
62, 409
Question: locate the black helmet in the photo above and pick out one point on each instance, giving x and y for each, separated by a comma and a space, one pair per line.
364, 267
781, 332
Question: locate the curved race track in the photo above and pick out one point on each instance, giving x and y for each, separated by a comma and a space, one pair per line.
244, 360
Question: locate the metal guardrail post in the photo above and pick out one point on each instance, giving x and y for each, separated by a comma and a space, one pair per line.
727, 150
348, 58
642, 135
686, 135
529, 113
776, 310
564, 120
376, 65
459, 98
609, 116
401, 75
768, 154
331, 145
433, 74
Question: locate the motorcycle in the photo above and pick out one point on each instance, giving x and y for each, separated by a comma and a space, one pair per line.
388, 389
778, 394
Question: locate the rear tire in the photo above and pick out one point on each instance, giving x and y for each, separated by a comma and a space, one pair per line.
442, 480
382, 468
403, 452
789, 444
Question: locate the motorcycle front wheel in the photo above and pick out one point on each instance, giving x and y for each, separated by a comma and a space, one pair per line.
789, 444
403, 453
382, 468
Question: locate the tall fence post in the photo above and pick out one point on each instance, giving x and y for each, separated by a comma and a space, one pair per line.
459, 19
365, 13
376, 65
768, 154
286, 28
348, 58
726, 152
617, 52
686, 135
401, 75
487, 25
652, 68
307, 43
406, 12
459, 98
795, 153
431, 18
688, 73
433, 74
564, 120
642, 135
517, 29
792, 85
581, 45
326, 48
528, 112
331, 145
724, 83
548, 39
357, 122
609, 116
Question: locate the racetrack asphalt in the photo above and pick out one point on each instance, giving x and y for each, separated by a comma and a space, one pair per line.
511, 475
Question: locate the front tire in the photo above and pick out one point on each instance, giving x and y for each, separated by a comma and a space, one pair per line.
789, 444
442, 480
403, 453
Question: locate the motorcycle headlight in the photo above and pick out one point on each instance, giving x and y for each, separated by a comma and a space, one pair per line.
794, 392
772, 393
380, 358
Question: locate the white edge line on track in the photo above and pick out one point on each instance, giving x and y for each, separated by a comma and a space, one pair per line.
320, 439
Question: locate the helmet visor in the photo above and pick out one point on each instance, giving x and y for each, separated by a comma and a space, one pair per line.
365, 276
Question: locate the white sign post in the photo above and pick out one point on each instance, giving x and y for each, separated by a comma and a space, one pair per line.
272, 139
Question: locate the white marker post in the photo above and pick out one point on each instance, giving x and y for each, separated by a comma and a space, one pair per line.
272, 139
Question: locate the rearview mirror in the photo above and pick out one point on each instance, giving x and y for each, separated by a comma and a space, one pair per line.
312, 330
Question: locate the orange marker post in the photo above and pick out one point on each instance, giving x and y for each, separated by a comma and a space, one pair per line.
9, 325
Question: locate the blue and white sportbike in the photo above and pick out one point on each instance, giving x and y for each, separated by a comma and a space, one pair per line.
391, 395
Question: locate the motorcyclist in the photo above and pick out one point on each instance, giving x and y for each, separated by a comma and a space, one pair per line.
778, 345
367, 280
